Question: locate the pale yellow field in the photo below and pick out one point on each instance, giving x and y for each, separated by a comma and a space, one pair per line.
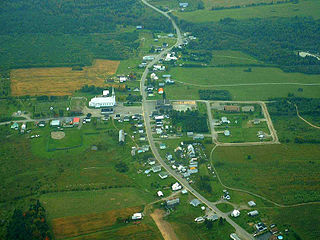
231, 3
59, 81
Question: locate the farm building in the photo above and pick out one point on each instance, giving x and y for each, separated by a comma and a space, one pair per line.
198, 137
213, 217
121, 136
247, 109
231, 108
183, 5
103, 101
55, 123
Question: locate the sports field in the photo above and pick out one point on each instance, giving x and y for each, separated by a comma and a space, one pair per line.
59, 81
305, 8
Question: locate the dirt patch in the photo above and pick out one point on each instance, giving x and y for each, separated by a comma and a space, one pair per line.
164, 227
60, 81
57, 135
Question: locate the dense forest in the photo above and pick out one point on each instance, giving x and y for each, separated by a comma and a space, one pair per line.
272, 40
66, 33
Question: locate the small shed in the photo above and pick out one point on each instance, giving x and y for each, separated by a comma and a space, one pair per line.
253, 213
226, 133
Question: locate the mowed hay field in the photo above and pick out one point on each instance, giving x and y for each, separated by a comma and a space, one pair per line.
84, 224
232, 3
60, 81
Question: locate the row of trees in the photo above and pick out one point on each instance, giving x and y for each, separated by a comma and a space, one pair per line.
272, 40
215, 95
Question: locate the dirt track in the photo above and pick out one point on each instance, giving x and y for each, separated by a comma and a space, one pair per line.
164, 227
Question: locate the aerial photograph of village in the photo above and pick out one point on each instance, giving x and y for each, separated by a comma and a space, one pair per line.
160, 120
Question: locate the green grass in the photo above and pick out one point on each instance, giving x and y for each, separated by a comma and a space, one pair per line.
182, 220
229, 57
221, 78
73, 138
225, 207
65, 204
283, 173
305, 8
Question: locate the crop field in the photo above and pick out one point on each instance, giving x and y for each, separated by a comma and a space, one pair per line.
305, 8
134, 232
84, 224
242, 3
59, 81
283, 173
243, 85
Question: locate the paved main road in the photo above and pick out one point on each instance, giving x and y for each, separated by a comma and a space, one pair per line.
146, 112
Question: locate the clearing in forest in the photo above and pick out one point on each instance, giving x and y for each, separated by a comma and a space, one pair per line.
60, 81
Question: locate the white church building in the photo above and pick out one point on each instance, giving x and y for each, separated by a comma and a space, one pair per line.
103, 101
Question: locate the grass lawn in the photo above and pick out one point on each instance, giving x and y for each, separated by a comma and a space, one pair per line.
182, 220
225, 207
284, 173
65, 204
229, 78
305, 8
73, 138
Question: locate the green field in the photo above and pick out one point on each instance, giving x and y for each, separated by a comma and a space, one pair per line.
65, 204
234, 79
283, 173
305, 8
230, 57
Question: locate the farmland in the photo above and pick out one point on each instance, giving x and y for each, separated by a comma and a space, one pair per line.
305, 8
209, 4
259, 84
59, 81
270, 169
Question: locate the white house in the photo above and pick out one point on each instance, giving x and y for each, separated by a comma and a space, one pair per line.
170, 57
122, 79
103, 101
159, 68
160, 194
235, 213
176, 186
